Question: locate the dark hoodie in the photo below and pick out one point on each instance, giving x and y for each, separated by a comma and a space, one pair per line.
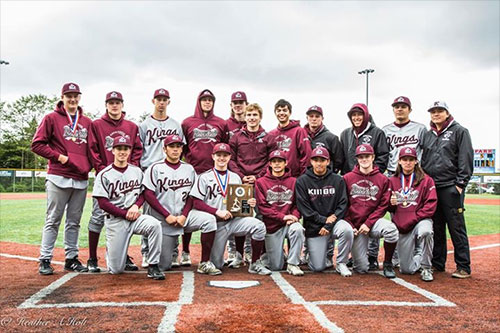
367, 133
102, 133
294, 141
322, 137
249, 152
234, 126
369, 197
54, 137
319, 197
202, 134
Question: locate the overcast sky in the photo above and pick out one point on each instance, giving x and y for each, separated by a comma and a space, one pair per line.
306, 52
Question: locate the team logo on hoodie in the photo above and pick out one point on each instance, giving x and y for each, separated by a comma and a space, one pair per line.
365, 190
279, 195
410, 198
283, 142
327, 191
111, 137
78, 137
205, 133
366, 139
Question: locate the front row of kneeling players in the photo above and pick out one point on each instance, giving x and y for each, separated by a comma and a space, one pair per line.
349, 209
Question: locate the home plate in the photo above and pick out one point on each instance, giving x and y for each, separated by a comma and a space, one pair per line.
233, 284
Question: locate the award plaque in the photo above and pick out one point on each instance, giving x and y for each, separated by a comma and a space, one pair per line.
237, 199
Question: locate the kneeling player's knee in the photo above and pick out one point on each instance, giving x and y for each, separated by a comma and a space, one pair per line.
259, 232
391, 235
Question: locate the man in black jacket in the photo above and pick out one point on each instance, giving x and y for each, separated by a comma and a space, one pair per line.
322, 201
448, 158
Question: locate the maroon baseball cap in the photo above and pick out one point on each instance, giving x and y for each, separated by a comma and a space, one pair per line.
161, 93
238, 96
315, 108
320, 152
277, 154
122, 141
402, 99
206, 93
364, 149
173, 138
114, 95
70, 88
407, 151
221, 148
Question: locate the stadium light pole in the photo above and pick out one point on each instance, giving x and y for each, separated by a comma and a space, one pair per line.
367, 72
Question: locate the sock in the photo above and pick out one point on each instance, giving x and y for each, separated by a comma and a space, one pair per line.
256, 249
389, 251
240, 243
93, 241
207, 240
186, 239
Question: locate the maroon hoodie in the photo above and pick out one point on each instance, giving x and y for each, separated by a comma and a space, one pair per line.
421, 203
102, 133
369, 196
249, 152
234, 126
54, 137
294, 141
276, 198
201, 135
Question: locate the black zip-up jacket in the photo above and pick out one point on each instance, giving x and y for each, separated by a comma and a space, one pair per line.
447, 156
324, 138
318, 197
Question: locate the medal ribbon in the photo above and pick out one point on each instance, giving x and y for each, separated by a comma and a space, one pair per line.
74, 123
405, 189
222, 185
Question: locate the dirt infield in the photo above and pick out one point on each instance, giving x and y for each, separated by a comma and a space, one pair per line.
184, 302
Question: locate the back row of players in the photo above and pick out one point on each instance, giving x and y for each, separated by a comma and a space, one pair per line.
191, 195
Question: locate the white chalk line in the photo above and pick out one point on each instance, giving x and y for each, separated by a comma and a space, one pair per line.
479, 247
35, 298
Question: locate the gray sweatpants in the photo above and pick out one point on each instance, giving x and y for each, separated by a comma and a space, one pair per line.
318, 246
238, 226
415, 248
96, 221
382, 228
118, 234
274, 246
58, 200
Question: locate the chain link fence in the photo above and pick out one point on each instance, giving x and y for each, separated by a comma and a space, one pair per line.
27, 180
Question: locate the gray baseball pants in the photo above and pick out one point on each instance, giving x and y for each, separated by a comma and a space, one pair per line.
144, 240
96, 221
274, 246
415, 248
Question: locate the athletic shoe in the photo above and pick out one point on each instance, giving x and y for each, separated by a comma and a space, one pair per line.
185, 259
426, 275
74, 265
304, 260
372, 263
237, 262
389, 270
230, 257
209, 268
329, 262
45, 268
155, 273
264, 259
130, 266
248, 258
343, 270
258, 268
92, 265
294, 270
145, 263
350, 262
175, 260
460, 274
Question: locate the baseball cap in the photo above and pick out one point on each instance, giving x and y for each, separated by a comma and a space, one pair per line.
122, 141
238, 96
207, 93
114, 95
277, 154
70, 88
320, 152
161, 93
315, 108
407, 151
439, 104
364, 149
172, 138
221, 148
402, 99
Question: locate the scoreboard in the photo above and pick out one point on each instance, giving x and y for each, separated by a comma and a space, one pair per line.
484, 160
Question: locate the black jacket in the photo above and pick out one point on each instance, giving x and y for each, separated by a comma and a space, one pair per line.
448, 157
325, 138
319, 197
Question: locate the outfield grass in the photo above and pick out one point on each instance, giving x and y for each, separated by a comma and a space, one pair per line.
21, 221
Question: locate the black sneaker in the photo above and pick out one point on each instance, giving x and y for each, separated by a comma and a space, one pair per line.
154, 273
372, 263
350, 262
130, 266
389, 270
45, 268
75, 265
92, 265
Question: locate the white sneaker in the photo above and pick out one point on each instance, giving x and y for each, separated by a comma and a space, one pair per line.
175, 261
208, 268
264, 259
343, 270
294, 270
145, 263
426, 275
237, 261
258, 268
329, 262
185, 259
248, 258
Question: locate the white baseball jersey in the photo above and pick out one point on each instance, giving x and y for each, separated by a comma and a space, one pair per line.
207, 188
171, 186
121, 188
410, 135
152, 133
